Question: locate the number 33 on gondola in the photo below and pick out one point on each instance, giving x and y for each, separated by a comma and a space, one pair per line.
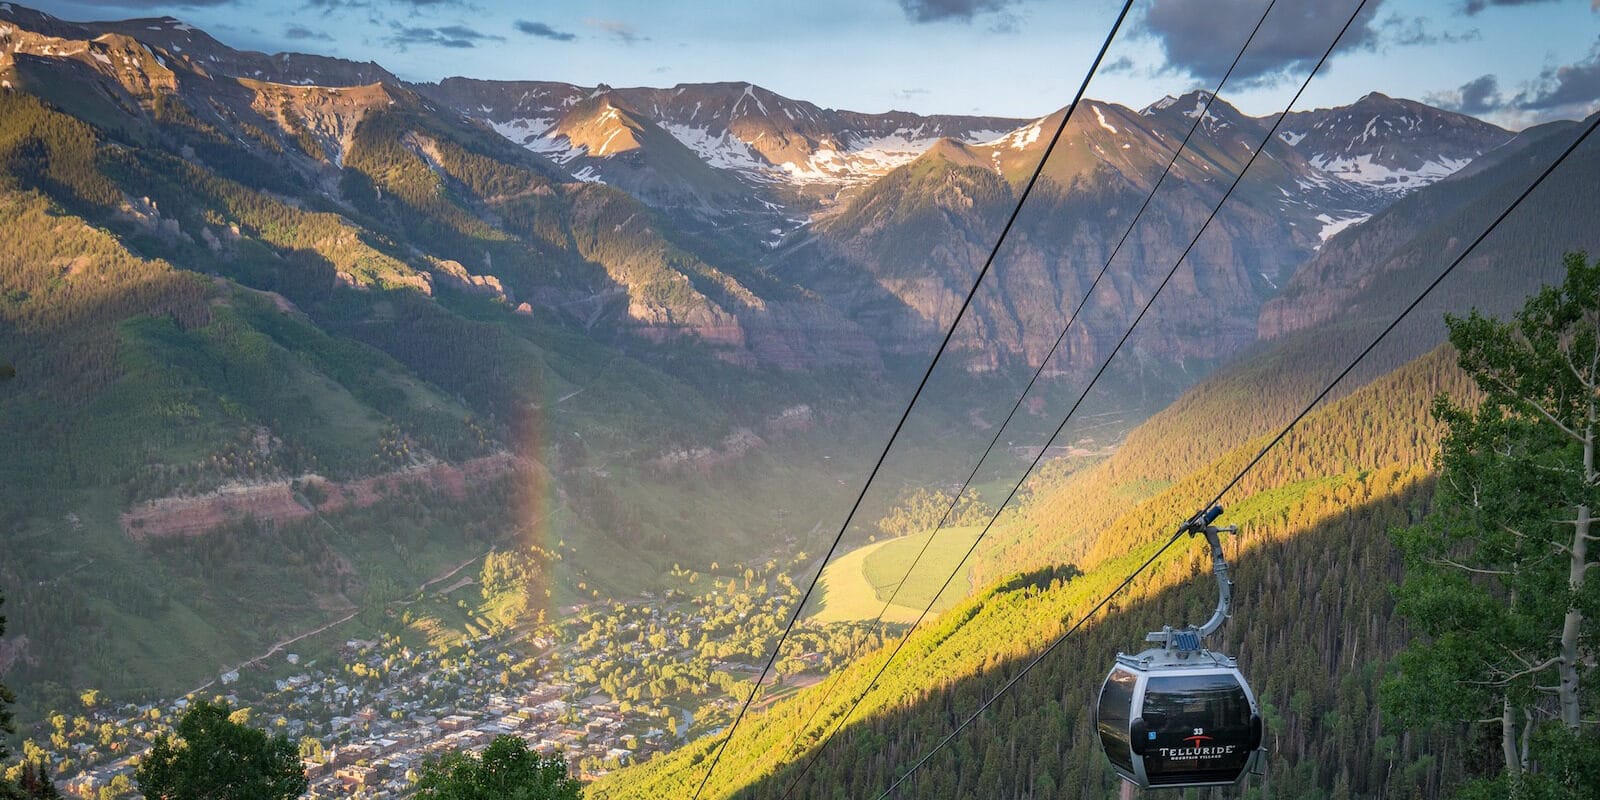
1178, 714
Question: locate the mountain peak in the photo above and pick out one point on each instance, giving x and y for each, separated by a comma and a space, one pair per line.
953, 151
1189, 102
1389, 144
1163, 104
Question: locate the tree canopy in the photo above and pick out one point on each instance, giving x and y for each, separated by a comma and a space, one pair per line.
1497, 574
507, 770
6, 699
215, 757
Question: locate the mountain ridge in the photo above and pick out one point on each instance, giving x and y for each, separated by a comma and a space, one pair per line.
315, 277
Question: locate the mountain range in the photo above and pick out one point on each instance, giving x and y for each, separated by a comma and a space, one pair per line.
815, 186
811, 185
1314, 622
295, 337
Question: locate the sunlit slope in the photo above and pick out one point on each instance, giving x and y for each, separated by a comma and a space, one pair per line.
1334, 306
1311, 605
139, 378
184, 326
136, 380
913, 238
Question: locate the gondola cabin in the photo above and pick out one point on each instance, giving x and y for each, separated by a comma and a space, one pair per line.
1178, 719
1180, 715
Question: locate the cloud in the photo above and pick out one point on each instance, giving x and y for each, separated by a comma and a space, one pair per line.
1472, 7
1402, 31
1573, 86
1294, 36
911, 94
1477, 97
302, 32
142, 4
1005, 22
1123, 64
939, 10
619, 30
464, 32
543, 31
330, 6
455, 36
1565, 92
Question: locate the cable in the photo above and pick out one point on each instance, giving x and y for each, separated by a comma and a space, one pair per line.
956, 323
1104, 366
1277, 122
1275, 440
1408, 309
1000, 430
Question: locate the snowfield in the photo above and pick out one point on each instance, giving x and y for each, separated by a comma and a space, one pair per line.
1362, 170
1331, 226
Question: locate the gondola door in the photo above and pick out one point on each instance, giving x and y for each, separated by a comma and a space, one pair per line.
1196, 729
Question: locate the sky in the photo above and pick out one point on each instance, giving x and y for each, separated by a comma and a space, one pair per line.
1513, 62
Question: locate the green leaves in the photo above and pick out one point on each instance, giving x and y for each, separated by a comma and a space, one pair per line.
1495, 576
507, 770
216, 758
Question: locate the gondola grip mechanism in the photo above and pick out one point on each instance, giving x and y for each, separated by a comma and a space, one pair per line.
1189, 639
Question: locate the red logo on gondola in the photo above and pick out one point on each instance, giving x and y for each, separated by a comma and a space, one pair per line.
1199, 738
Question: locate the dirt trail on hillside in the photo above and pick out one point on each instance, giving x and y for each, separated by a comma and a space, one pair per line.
422, 587
277, 501
275, 648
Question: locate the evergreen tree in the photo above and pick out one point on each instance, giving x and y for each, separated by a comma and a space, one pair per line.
36, 783
217, 758
1497, 575
6, 699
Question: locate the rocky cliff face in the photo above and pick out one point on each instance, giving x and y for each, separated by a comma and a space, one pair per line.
907, 247
876, 223
457, 207
1371, 271
912, 242
742, 129
888, 216
1389, 144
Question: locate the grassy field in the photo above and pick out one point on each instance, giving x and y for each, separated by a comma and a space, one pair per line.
856, 584
884, 567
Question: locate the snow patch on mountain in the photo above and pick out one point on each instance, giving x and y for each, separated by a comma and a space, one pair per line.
723, 151
524, 129
1362, 169
1332, 225
861, 157
1102, 118
1018, 139
556, 147
1159, 105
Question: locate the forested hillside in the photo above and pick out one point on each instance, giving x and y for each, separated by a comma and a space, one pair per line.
1318, 630
1340, 300
244, 335
396, 414
1314, 550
